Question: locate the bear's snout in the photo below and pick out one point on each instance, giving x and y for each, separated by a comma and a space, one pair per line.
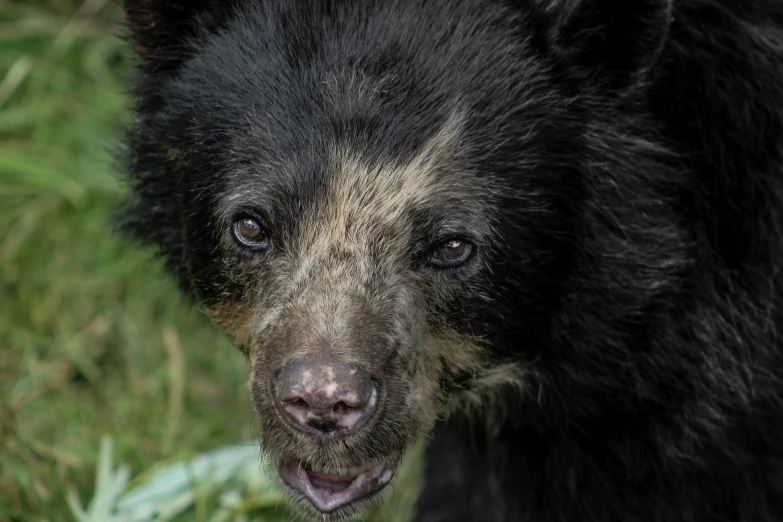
321, 396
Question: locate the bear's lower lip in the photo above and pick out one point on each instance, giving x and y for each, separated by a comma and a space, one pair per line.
328, 492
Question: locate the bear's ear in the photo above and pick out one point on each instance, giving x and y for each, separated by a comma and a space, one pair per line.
160, 27
612, 42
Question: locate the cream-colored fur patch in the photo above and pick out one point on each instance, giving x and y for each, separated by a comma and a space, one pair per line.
236, 320
368, 196
482, 400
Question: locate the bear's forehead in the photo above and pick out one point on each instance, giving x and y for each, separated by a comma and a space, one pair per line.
365, 196
285, 93
354, 202
363, 133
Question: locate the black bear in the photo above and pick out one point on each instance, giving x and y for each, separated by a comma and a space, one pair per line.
542, 238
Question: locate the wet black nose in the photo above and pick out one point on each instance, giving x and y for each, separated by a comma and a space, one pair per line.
325, 396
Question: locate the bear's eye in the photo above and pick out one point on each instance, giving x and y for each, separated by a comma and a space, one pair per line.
250, 233
450, 253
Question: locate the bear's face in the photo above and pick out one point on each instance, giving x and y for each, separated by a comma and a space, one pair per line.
377, 213
339, 224
341, 283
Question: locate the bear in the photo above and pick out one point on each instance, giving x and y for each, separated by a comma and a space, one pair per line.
538, 244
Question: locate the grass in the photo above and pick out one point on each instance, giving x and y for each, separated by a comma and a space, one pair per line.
94, 338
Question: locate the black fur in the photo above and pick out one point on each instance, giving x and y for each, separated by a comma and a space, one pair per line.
638, 226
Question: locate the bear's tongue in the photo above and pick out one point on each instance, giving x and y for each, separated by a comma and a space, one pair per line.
335, 483
328, 492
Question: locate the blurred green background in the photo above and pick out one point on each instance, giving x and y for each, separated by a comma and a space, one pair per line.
94, 338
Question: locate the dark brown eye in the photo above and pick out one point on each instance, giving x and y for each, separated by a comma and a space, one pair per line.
451, 253
250, 233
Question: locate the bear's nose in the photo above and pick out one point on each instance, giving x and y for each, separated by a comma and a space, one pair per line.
322, 396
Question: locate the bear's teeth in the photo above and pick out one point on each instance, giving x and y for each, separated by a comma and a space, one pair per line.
352, 471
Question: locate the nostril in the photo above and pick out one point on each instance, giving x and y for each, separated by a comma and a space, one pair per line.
342, 408
297, 408
297, 403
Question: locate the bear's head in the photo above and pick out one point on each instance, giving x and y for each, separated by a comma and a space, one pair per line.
386, 206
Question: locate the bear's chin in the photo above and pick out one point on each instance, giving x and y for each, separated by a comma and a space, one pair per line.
337, 492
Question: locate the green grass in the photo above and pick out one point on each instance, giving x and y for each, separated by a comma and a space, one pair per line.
94, 338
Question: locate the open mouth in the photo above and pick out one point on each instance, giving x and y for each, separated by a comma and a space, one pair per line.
329, 489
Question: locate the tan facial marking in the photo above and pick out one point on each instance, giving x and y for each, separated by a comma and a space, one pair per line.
366, 198
458, 352
236, 320
365, 210
484, 400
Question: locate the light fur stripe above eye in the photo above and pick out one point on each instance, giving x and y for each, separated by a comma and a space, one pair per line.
367, 196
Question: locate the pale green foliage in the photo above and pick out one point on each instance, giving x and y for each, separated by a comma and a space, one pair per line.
239, 489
